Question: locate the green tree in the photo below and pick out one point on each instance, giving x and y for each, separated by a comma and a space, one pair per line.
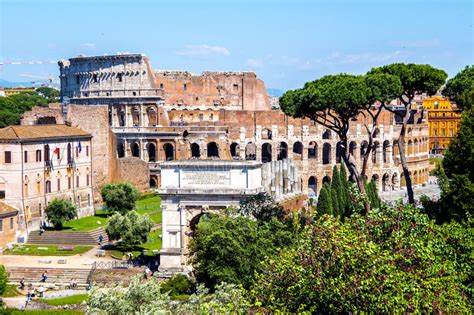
131, 228
392, 260
325, 202
119, 197
372, 194
60, 211
460, 88
12, 107
3, 279
415, 79
51, 94
229, 249
345, 191
262, 207
177, 285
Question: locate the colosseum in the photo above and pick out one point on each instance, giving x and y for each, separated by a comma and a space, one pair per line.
140, 117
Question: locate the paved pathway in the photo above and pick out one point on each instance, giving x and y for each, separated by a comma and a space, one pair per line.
83, 261
431, 190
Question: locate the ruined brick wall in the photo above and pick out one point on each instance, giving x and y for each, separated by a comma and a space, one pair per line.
231, 90
43, 115
135, 171
94, 119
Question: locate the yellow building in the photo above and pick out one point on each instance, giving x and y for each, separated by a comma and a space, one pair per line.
18, 90
443, 122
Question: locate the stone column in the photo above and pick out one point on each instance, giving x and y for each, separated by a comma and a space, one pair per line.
285, 175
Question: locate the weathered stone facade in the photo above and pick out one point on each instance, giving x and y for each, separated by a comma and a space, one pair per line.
173, 115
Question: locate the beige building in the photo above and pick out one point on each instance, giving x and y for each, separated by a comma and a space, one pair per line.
43, 162
8, 224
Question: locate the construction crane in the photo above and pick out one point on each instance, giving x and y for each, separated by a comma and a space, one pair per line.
43, 81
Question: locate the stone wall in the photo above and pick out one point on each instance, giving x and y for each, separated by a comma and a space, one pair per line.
44, 115
135, 171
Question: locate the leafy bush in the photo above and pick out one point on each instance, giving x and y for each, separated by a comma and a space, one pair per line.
177, 285
262, 207
119, 197
60, 211
12, 107
3, 279
131, 228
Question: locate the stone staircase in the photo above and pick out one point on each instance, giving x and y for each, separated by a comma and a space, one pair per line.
56, 276
67, 238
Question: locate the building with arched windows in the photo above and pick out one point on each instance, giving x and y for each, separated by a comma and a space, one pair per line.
40, 163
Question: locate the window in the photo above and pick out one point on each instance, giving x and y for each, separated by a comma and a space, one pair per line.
2, 194
77, 151
94, 78
451, 133
236, 87
161, 86
69, 182
77, 181
8, 157
25, 156
59, 184
40, 209
1, 225
119, 77
435, 105
38, 187
47, 187
11, 223
38, 155
185, 87
435, 132
443, 132
87, 150
87, 180
89, 200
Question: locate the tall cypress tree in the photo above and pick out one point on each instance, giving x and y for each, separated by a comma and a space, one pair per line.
324, 201
345, 188
336, 208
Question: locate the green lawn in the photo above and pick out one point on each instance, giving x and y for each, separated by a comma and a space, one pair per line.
10, 291
68, 300
154, 242
87, 223
149, 205
33, 250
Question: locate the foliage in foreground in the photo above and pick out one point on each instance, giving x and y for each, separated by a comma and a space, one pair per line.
131, 228
228, 249
146, 298
60, 211
177, 285
392, 260
3, 279
119, 197
12, 107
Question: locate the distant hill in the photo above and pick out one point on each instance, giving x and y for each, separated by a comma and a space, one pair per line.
275, 92
5, 83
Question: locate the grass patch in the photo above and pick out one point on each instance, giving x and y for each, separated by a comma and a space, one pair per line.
87, 223
52, 250
68, 300
11, 291
150, 205
43, 312
154, 243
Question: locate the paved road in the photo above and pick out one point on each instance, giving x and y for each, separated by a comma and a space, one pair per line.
431, 190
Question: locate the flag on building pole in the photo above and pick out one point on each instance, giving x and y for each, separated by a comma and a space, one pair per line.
80, 147
56, 151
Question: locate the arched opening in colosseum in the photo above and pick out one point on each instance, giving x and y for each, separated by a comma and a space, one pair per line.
415, 178
394, 181
185, 134
385, 182
282, 151
195, 150
415, 146
168, 148
297, 151
339, 152
151, 149
395, 150
386, 145
363, 148
234, 150
153, 182
266, 152
326, 153
250, 151
266, 134
375, 152
152, 117
313, 150
122, 118
46, 120
352, 148
376, 180
326, 180
212, 150
135, 117
327, 134
135, 148
312, 186
120, 150
410, 147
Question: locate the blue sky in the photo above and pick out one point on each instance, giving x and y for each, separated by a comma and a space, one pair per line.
286, 42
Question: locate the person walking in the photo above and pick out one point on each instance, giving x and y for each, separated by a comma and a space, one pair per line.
44, 276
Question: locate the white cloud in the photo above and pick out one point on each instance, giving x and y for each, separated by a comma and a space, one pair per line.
203, 50
255, 63
89, 46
